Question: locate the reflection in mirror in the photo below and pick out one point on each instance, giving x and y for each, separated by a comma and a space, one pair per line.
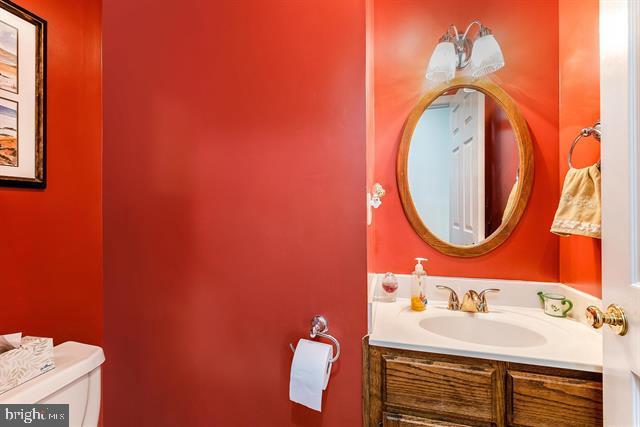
463, 167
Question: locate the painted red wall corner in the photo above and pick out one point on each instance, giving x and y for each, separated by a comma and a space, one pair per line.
405, 34
234, 177
370, 129
580, 257
52, 239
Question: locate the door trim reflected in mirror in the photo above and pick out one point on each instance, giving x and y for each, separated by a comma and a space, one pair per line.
525, 149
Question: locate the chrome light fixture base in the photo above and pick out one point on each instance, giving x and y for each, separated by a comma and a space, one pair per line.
463, 50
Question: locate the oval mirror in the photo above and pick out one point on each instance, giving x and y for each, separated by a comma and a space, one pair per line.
465, 167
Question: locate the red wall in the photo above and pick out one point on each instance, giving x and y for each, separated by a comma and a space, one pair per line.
405, 34
52, 239
580, 264
234, 176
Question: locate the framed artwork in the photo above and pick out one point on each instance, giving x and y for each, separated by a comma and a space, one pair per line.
22, 97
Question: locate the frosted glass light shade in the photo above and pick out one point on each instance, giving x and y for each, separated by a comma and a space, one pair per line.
442, 65
486, 56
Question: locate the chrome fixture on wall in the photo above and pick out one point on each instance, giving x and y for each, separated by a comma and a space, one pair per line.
374, 200
456, 51
320, 328
595, 131
376, 195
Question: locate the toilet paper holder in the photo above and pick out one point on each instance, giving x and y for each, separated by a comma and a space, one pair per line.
319, 328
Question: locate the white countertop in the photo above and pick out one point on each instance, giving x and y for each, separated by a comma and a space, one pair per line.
562, 343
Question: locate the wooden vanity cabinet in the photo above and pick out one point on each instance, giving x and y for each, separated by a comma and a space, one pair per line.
408, 389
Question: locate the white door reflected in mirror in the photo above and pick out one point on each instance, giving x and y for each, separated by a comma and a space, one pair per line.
462, 166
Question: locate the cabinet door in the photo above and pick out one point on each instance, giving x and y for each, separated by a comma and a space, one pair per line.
442, 388
399, 420
547, 400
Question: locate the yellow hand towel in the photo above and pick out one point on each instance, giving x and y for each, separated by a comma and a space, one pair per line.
511, 202
579, 209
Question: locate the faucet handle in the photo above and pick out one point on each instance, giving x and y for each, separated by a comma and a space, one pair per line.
483, 299
481, 294
454, 302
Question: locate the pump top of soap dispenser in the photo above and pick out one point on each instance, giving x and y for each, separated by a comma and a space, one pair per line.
419, 269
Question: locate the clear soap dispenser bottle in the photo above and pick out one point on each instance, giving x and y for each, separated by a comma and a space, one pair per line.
418, 285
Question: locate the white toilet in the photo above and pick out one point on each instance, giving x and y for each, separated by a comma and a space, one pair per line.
75, 380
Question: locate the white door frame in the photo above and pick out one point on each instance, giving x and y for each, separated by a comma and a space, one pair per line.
619, 31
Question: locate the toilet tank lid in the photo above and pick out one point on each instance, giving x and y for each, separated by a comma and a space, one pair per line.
72, 359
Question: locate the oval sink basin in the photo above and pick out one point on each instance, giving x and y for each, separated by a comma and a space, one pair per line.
478, 330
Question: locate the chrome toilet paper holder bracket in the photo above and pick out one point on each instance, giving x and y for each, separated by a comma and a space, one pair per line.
319, 328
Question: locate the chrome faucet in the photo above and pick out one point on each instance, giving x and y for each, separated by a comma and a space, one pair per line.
472, 302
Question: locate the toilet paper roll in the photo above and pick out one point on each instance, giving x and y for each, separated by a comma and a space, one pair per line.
310, 370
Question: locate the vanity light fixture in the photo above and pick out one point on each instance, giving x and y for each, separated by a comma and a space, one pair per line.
455, 51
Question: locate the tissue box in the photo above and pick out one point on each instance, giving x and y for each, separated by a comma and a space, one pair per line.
34, 357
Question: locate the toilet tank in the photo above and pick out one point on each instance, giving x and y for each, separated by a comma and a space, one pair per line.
74, 381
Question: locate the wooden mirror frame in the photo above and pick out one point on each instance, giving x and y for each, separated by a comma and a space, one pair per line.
525, 152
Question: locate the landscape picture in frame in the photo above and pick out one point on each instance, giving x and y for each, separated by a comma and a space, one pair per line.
8, 57
8, 133
22, 97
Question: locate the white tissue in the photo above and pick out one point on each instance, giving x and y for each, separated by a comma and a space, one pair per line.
310, 370
10, 341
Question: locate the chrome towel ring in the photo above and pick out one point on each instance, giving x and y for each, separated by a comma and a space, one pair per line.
595, 131
319, 328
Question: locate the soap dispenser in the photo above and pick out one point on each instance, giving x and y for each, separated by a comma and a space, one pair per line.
418, 285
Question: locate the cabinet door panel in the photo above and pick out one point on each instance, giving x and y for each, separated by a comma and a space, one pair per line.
547, 400
459, 390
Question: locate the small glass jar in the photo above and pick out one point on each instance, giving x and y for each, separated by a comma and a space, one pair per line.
389, 288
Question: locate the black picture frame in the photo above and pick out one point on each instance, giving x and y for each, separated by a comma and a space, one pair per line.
39, 181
